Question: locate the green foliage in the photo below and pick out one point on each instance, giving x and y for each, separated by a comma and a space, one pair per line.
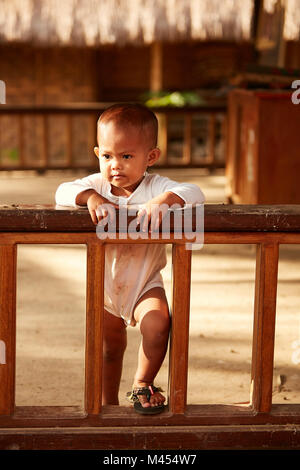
9, 154
176, 98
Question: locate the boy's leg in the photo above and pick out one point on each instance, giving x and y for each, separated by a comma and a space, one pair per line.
114, 345
152, 314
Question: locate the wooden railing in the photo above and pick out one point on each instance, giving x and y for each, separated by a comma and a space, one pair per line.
63, 137
256, 424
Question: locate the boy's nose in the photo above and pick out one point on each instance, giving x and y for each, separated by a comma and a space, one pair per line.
116, 164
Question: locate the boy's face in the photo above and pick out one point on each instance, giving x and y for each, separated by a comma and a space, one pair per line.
124, 154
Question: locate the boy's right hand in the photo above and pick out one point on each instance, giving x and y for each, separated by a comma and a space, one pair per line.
98, 206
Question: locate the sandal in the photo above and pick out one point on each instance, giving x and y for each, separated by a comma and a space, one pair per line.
147, 391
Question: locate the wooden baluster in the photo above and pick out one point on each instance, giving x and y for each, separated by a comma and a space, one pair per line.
45, 153
94, 327
8, 264
22, 163
187, 145
178, 368
69, 151
264, 326
91, 141
211, 138
163, 138
224, 138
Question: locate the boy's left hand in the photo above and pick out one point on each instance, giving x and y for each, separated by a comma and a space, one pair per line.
151, 214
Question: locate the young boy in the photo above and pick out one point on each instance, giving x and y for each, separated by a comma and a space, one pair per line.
134, 291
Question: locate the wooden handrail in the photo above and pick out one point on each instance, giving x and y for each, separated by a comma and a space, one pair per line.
218, 218
99, 107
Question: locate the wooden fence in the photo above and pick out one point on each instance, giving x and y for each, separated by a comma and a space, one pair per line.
260, 424
63, 137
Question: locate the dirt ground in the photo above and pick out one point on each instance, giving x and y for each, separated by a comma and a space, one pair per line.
51, 311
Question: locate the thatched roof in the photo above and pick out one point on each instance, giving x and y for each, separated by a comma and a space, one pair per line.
94, 22
292, 17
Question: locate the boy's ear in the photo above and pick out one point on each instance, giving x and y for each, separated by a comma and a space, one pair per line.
153, 156
96, 150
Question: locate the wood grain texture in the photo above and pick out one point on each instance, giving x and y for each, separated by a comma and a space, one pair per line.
264, 326
266, 226
153, 437
94, 327
113, 415
262, 161
217, 218
8, 258
178, 366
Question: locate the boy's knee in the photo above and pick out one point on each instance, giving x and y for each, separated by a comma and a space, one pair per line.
114, 348
156, 325
112, 355
163, 324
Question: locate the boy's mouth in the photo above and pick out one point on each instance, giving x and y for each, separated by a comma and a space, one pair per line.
118, 175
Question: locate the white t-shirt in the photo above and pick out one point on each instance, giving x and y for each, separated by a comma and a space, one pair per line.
130, 269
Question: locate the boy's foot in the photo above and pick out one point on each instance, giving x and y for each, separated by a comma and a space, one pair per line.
147, 398
156, 398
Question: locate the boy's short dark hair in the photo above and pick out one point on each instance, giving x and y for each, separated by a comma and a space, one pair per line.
134, 114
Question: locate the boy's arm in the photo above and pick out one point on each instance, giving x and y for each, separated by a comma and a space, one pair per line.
167, 194
97, 205
92, 200
82, 198
84, 192
66, 193
169, 198
155, 209
190, 193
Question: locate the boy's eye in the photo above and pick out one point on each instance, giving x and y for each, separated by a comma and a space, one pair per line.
127, 156
106, 156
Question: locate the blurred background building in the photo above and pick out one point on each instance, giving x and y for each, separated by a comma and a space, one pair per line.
64, 61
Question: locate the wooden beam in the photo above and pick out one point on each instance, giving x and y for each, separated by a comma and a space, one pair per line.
8, 261
153, 437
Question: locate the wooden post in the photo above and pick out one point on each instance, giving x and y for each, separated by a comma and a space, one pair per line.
163, 138
8, 262
22, 163
156, 85
178, 367
211, 138
92, 139
187, 147
94, 326
45, 152
264, 326
269, 35
156, 69
69, 160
